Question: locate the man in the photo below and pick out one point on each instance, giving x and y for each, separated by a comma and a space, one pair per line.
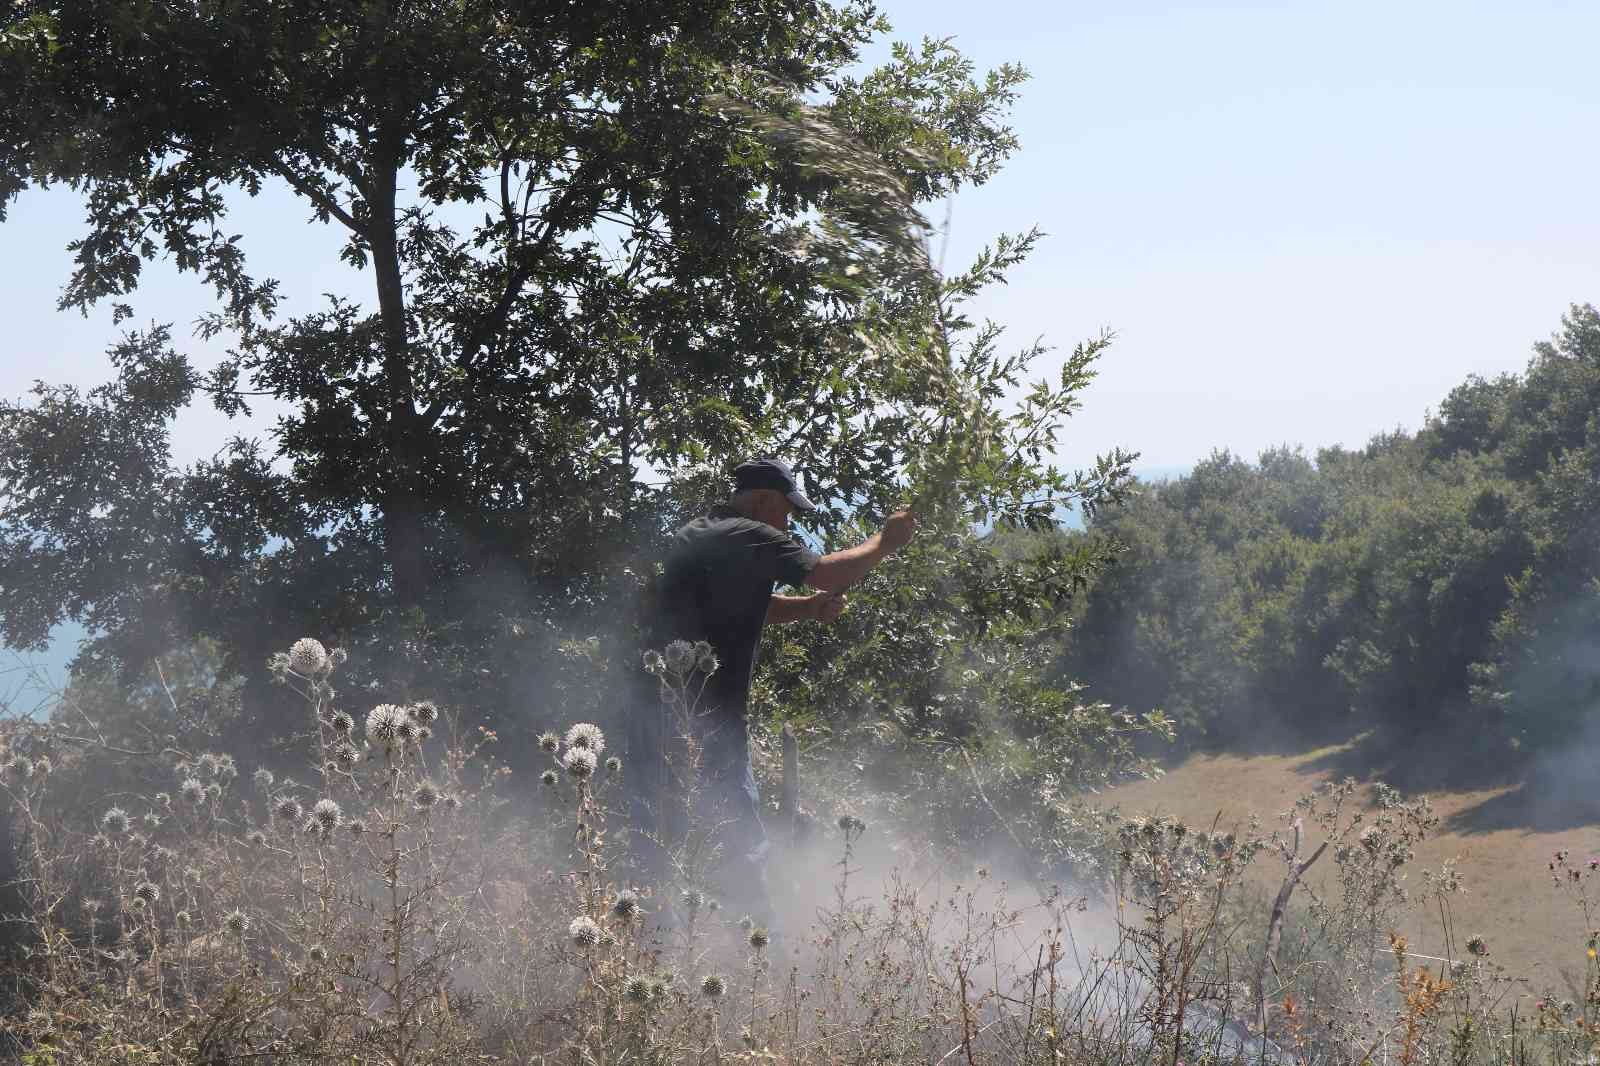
718, 587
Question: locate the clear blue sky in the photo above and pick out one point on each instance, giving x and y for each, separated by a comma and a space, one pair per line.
1305, 221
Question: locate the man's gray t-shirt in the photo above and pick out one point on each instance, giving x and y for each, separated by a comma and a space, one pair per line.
717, 585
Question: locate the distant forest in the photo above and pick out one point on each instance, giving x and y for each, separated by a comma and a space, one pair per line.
1446, 580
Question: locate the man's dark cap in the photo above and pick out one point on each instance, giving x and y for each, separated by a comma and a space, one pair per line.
771, 474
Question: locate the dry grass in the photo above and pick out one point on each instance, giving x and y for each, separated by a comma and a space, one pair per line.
1532, 929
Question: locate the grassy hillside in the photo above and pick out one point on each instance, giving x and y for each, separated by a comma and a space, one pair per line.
1501, 839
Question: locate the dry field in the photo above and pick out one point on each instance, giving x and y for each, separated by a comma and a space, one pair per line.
1501, 840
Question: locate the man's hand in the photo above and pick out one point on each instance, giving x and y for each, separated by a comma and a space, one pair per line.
898, 530
828, 605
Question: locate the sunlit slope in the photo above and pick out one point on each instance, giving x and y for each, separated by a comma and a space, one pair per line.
1501, 839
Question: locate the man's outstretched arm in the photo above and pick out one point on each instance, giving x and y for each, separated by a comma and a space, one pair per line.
839, 570
796, 608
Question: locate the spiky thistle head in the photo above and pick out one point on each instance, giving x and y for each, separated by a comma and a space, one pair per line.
583, 931
383, 723
209, 764
236, 922
758, 938
580, 762
693, 898
549, 777
653, 662
346, 755
626, 906
1478, 946
549, 742
425, 712
114, 821
338, 657
148, 891
584, 735
327, 815
356, 826
288, 808
264, 779
613, 764
341, 723
192, 790
680, 656
317, 954
638, 989
705, 657
425, 796
256, 838
307, 657
713, 985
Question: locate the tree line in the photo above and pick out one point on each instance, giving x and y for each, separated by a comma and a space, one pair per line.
1446, 579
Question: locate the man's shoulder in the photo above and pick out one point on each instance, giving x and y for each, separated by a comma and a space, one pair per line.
726, 522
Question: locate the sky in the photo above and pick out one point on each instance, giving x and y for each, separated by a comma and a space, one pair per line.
1305, 222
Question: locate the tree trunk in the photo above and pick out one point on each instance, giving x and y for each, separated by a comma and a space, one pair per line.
401, 500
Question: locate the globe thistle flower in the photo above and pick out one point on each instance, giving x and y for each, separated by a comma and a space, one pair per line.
425, 795
584, 735
184, 917
425, 712
236, 922
549, 742
608, 939
341, 723
424, 733
256, 838
1371, 837
278, 665
19, 767
583, 932
705, 657
227, 769
1477, 946
450, 801
213, 791
383, 723
759, 938
356, 826
264, 779
307, 657
192, 790
114, 821
626, 906
209, 764
637, 989
148, 891
653, 662
613, 764
407, 731
152, 820
549, 777
288, 808
680, 656
326, 813
693, 899
849, 823
345, 756
137, 905
338, 657
580, 762
317, 954
713, 985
